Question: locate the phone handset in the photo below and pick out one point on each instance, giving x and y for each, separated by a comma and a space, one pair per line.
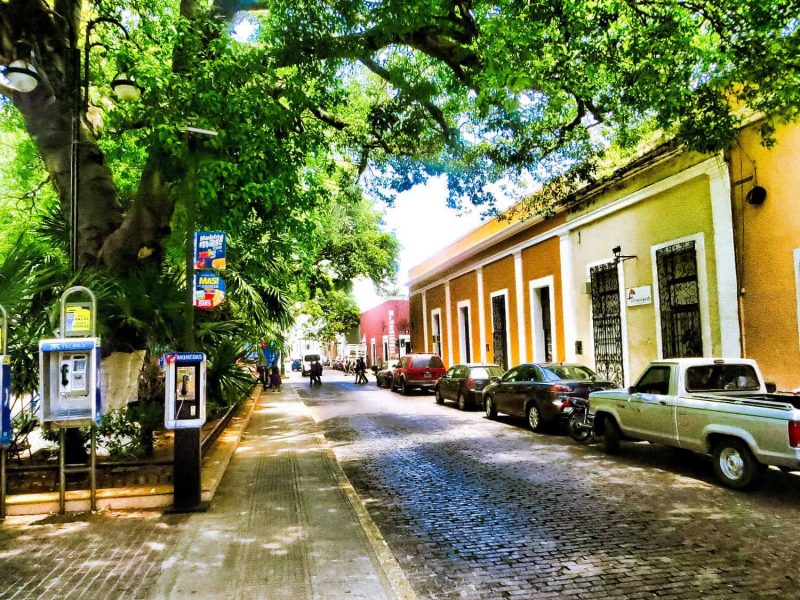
184, 382
65, 374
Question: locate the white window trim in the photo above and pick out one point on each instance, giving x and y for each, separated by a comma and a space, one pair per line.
462, 342
702, 284
623, 315
449, 318
424, 321
492, 295
373, 351
796, 254
522, 342
436, 312
533, 285
481, 315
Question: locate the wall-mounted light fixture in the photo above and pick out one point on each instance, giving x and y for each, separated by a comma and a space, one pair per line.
756, 196
619, 256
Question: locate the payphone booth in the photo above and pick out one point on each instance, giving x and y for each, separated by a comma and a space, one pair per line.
69, 381
5, 406
185, 413
185, 390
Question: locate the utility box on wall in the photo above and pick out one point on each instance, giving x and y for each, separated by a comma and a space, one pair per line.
185, 390
69, 382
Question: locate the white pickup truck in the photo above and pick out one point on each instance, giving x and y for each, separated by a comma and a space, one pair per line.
712, 406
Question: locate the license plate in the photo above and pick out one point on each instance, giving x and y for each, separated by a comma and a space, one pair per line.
427, 375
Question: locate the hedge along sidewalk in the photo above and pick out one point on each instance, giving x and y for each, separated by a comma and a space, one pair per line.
215, 461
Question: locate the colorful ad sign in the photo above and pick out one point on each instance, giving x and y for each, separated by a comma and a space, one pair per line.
78, 320
209, 290
209, 250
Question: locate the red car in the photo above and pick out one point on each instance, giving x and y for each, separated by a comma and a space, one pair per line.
417, 371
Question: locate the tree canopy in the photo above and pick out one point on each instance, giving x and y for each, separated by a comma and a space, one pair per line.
319, 102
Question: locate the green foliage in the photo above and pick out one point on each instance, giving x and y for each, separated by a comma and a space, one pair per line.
228, 377
121, 434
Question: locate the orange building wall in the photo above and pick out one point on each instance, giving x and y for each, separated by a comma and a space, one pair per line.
465, 288
766, 237
540, 261
416, 317
497, 276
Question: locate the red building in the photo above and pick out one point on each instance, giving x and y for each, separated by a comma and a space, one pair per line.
386, 332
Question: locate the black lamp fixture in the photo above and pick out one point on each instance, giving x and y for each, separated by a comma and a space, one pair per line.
21, 74
756, 196
619, 256
125, 87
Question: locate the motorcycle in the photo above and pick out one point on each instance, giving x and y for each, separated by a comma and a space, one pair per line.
581, 422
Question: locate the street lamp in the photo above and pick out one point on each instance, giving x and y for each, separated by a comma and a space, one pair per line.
23, 77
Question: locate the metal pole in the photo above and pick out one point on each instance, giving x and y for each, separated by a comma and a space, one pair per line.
62, 477
92, 472
3, 483
191, 202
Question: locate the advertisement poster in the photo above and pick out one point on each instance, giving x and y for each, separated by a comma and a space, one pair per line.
209, 250
78, 320
209, 290
638, 296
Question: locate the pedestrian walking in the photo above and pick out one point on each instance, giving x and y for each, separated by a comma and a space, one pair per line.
275, 379
361, 371
316, 373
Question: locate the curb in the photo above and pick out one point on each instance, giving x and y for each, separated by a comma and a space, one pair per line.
388, 563
143, 497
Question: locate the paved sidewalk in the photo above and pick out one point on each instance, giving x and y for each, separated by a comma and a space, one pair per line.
284, 523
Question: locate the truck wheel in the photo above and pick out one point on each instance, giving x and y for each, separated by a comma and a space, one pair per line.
735, 465
489, 407
438, 395
611, 436
534, 417
403, 387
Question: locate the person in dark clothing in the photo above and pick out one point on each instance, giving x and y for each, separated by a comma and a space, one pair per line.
275, 379
361, 371
316, 373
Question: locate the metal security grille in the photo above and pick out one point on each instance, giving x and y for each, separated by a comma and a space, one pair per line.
679, 301
607, 323
499, 334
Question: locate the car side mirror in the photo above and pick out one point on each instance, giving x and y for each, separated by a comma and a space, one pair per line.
494, 379
632, 390
771, 387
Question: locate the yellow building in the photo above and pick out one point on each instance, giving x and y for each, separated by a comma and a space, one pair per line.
641, 266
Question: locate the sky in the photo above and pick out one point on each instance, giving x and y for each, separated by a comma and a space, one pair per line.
423, 224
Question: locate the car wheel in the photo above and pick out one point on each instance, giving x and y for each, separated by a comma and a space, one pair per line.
403, 387
611, 437
490, 408
534, 417
438, 395
462, 401
735, 465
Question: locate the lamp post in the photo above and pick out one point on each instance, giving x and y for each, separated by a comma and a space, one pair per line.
23, 77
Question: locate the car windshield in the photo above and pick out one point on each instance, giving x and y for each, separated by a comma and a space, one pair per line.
719, 378
311, 357
427, 362
485, 372
569, 373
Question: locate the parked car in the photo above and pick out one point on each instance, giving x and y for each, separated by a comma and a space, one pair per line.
383, 376
297, 364
307, 360
541, 393
464, 384
720, 407
417, 371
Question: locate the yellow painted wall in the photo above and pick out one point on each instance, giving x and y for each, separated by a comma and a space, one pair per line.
465, 288
766, 237
539, 261
678, 212
497, 276
416, 320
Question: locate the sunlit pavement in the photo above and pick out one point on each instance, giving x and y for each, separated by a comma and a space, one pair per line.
283, 525
478, 509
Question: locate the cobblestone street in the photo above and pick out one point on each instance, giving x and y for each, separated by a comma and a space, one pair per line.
479, 509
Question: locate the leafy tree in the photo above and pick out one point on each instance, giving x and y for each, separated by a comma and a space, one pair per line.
330, 94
